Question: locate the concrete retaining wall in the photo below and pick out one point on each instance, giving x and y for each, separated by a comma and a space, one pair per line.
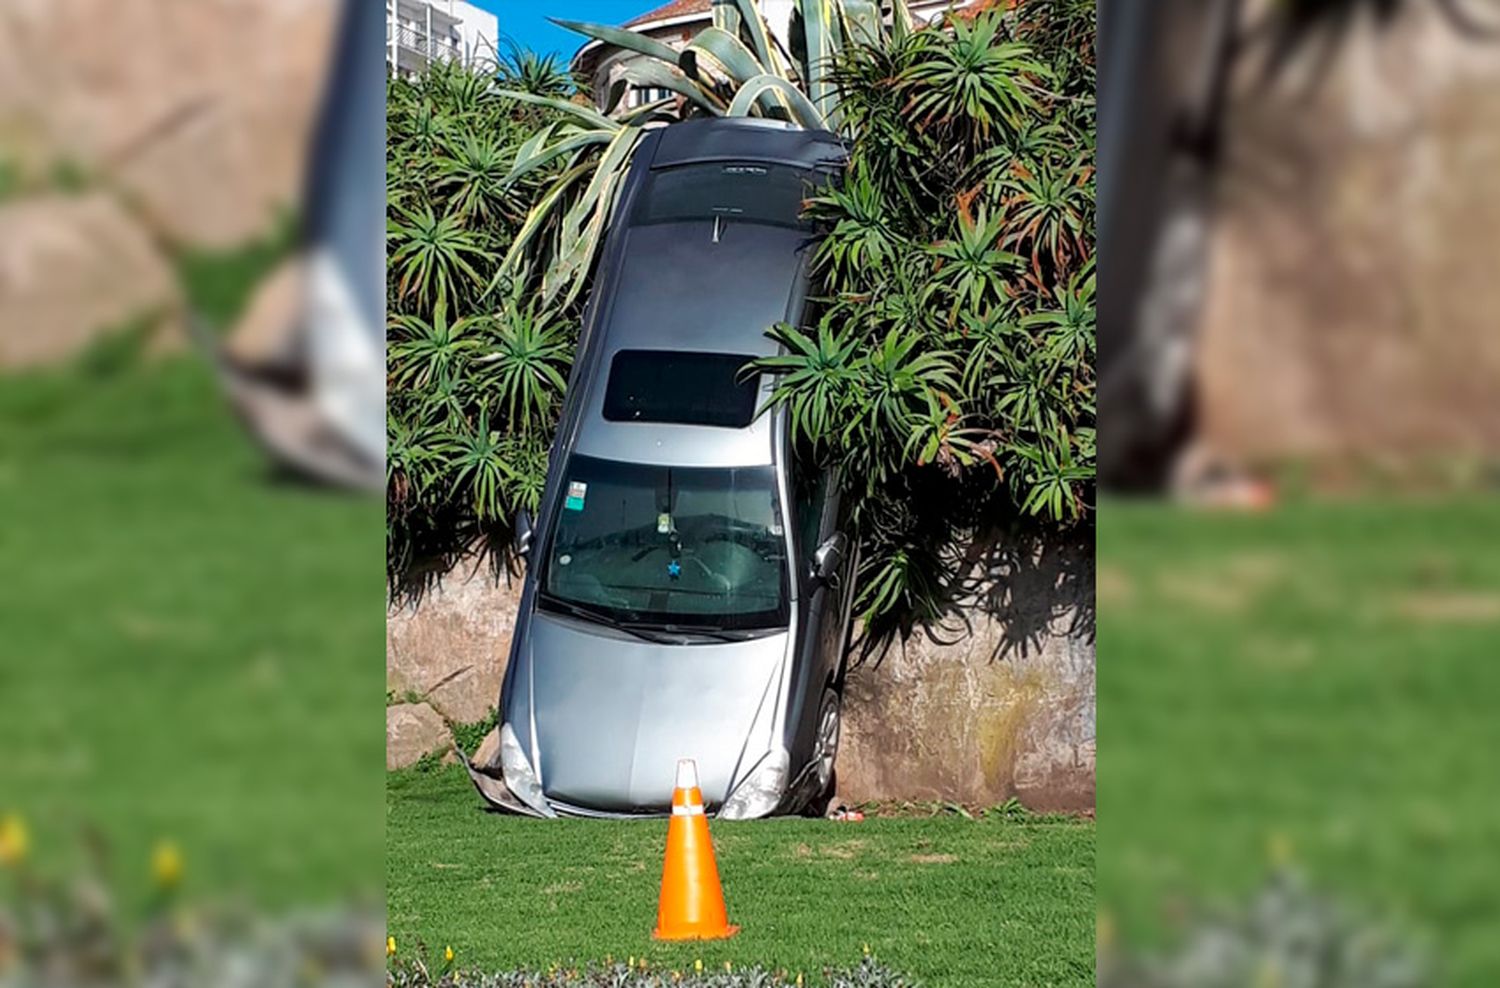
1003, 707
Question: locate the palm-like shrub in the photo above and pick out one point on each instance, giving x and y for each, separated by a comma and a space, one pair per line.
476, 366
947, 369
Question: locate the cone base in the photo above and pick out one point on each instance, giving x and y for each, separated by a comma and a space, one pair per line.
720, 934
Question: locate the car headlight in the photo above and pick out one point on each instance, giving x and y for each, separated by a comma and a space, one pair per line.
761, 791
519, 777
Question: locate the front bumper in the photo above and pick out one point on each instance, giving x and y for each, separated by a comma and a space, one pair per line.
491, 785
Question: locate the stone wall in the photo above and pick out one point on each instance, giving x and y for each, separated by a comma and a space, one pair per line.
974, 714
73, 267
130, 129
449, 646
196, 111
1351, 299
997, 702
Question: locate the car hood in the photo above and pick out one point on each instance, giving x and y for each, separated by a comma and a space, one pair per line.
613, 714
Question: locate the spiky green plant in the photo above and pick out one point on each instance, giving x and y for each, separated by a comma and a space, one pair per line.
959, 246
734, 68
476, 365
947, 368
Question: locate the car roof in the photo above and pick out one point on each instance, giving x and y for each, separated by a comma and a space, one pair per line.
746, 139
690, 286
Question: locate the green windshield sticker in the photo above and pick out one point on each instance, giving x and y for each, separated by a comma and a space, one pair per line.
577, 491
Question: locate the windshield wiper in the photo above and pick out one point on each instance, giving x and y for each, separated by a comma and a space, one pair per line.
669, 633
708, 631
597, 616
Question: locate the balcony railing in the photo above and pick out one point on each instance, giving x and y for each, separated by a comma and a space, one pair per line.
432, 49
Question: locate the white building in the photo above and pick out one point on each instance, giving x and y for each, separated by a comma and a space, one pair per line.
677, 22
420, 32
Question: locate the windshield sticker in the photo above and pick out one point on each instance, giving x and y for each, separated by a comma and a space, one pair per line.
564, 559
577, 491
674, 569
664, 523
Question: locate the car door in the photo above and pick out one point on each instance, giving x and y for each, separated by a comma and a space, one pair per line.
820, 607
838, 597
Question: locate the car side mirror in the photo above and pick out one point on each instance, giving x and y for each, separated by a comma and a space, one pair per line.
829, 557
521, 541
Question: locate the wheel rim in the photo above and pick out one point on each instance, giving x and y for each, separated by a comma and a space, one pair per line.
828, 741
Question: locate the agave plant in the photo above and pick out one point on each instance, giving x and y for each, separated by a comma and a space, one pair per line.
734, 68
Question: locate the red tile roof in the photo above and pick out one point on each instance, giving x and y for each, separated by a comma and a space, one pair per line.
677, 8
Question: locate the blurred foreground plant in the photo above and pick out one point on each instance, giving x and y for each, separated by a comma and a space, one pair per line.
73, 932
1287, 936
868, 974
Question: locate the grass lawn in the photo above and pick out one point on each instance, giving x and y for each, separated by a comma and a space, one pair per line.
1323, 678
191, 645
949, 900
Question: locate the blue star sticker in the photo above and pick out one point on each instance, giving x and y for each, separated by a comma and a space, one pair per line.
674, 569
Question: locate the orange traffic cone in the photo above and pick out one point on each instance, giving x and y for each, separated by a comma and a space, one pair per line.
692, 903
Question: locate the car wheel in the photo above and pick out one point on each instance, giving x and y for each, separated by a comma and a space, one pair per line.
825, 753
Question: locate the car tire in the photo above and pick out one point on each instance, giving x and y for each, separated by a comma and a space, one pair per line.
825, 754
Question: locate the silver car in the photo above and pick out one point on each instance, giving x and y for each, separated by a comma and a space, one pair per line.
687, 590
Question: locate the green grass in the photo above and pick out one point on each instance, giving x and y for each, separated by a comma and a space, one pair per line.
952, 901
219, 283
1322, 677
191, 645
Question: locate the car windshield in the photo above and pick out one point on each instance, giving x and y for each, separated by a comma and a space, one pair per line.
669, 546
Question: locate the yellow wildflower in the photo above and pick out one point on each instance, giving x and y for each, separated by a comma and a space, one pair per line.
1269, 975
448, 954
1279, 850
390, 946
1104, 930
867, 950
727, 967
186, 924
799, 979
15, 841
698, 966
630, 964
167, 865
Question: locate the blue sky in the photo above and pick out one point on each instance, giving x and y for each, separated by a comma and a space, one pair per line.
525, 21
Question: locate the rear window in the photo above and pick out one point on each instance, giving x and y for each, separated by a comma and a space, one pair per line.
685, 388
747, 192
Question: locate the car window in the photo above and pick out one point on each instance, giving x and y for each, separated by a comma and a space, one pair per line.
810, 496
745, 192
681, 387
670, 545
